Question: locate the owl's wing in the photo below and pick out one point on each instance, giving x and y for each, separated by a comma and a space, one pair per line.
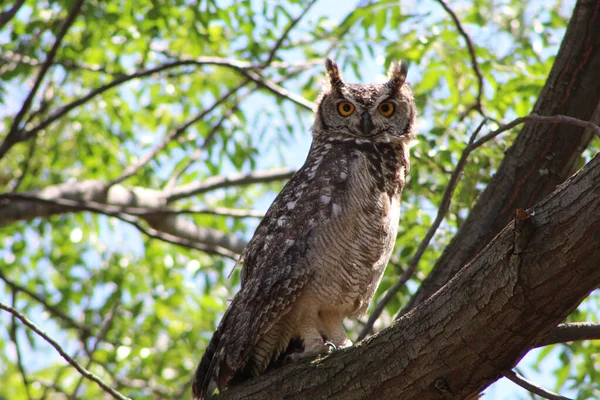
274, 268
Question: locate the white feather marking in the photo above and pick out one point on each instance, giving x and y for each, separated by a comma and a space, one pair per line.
337, 210
325, 199
291, 205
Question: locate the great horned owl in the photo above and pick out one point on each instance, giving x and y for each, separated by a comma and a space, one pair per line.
319, 253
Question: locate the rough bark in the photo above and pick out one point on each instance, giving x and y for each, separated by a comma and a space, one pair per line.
542, 156
458, 342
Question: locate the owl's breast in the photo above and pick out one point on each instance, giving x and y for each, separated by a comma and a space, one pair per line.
355, 242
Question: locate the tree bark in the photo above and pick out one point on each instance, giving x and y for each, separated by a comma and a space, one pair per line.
542, 155
455, 344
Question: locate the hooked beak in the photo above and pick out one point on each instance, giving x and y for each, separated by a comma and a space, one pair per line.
365, 124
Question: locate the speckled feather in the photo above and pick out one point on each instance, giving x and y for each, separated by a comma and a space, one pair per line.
320, 251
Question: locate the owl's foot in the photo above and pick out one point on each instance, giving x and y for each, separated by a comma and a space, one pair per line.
312, 348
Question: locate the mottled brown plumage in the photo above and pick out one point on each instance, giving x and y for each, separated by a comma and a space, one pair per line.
319, 253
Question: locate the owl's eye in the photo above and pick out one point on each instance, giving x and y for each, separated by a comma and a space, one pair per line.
386, 108
345, 108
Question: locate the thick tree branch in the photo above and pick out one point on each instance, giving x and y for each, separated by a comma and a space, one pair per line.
542, 156
89, 375
478, 325
130, 204
169, 229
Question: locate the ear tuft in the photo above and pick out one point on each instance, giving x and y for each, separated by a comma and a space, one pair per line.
333, 74
397, 74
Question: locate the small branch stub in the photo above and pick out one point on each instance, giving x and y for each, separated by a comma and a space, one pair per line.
523, 230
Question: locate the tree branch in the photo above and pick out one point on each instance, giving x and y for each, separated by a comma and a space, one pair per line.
220, 182
552, 119
15, 340
570, 332
174, 134
462, 339
532, 387
99, 338
474, 65
287, 31
151, 205
14, 134
188, 235
279, 91
7, 15
89, 375
55, 311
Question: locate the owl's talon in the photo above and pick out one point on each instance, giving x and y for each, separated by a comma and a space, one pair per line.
332, 347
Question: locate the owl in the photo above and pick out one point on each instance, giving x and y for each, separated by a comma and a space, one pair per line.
319, 254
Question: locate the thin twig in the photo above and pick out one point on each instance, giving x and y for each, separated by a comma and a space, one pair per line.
207, 140
14, 134
271, 85
215, 129
57, 312
287, 31
474, 65
278, 90
238, 65
25, 168
441, 214
174, 134
13, 336
532, 387
89, 375
99, 338
554, 119
220, 182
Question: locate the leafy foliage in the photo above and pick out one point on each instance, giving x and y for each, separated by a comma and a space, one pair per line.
138, 311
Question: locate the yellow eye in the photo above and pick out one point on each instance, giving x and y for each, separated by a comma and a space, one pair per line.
345, 108
386, 108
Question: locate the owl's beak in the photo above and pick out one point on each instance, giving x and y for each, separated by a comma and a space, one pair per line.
365, 124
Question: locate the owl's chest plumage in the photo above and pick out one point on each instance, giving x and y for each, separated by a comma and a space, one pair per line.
357, 223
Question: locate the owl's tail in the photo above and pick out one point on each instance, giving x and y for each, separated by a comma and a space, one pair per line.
206, 377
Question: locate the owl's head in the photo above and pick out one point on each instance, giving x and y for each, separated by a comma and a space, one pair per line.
383, 112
